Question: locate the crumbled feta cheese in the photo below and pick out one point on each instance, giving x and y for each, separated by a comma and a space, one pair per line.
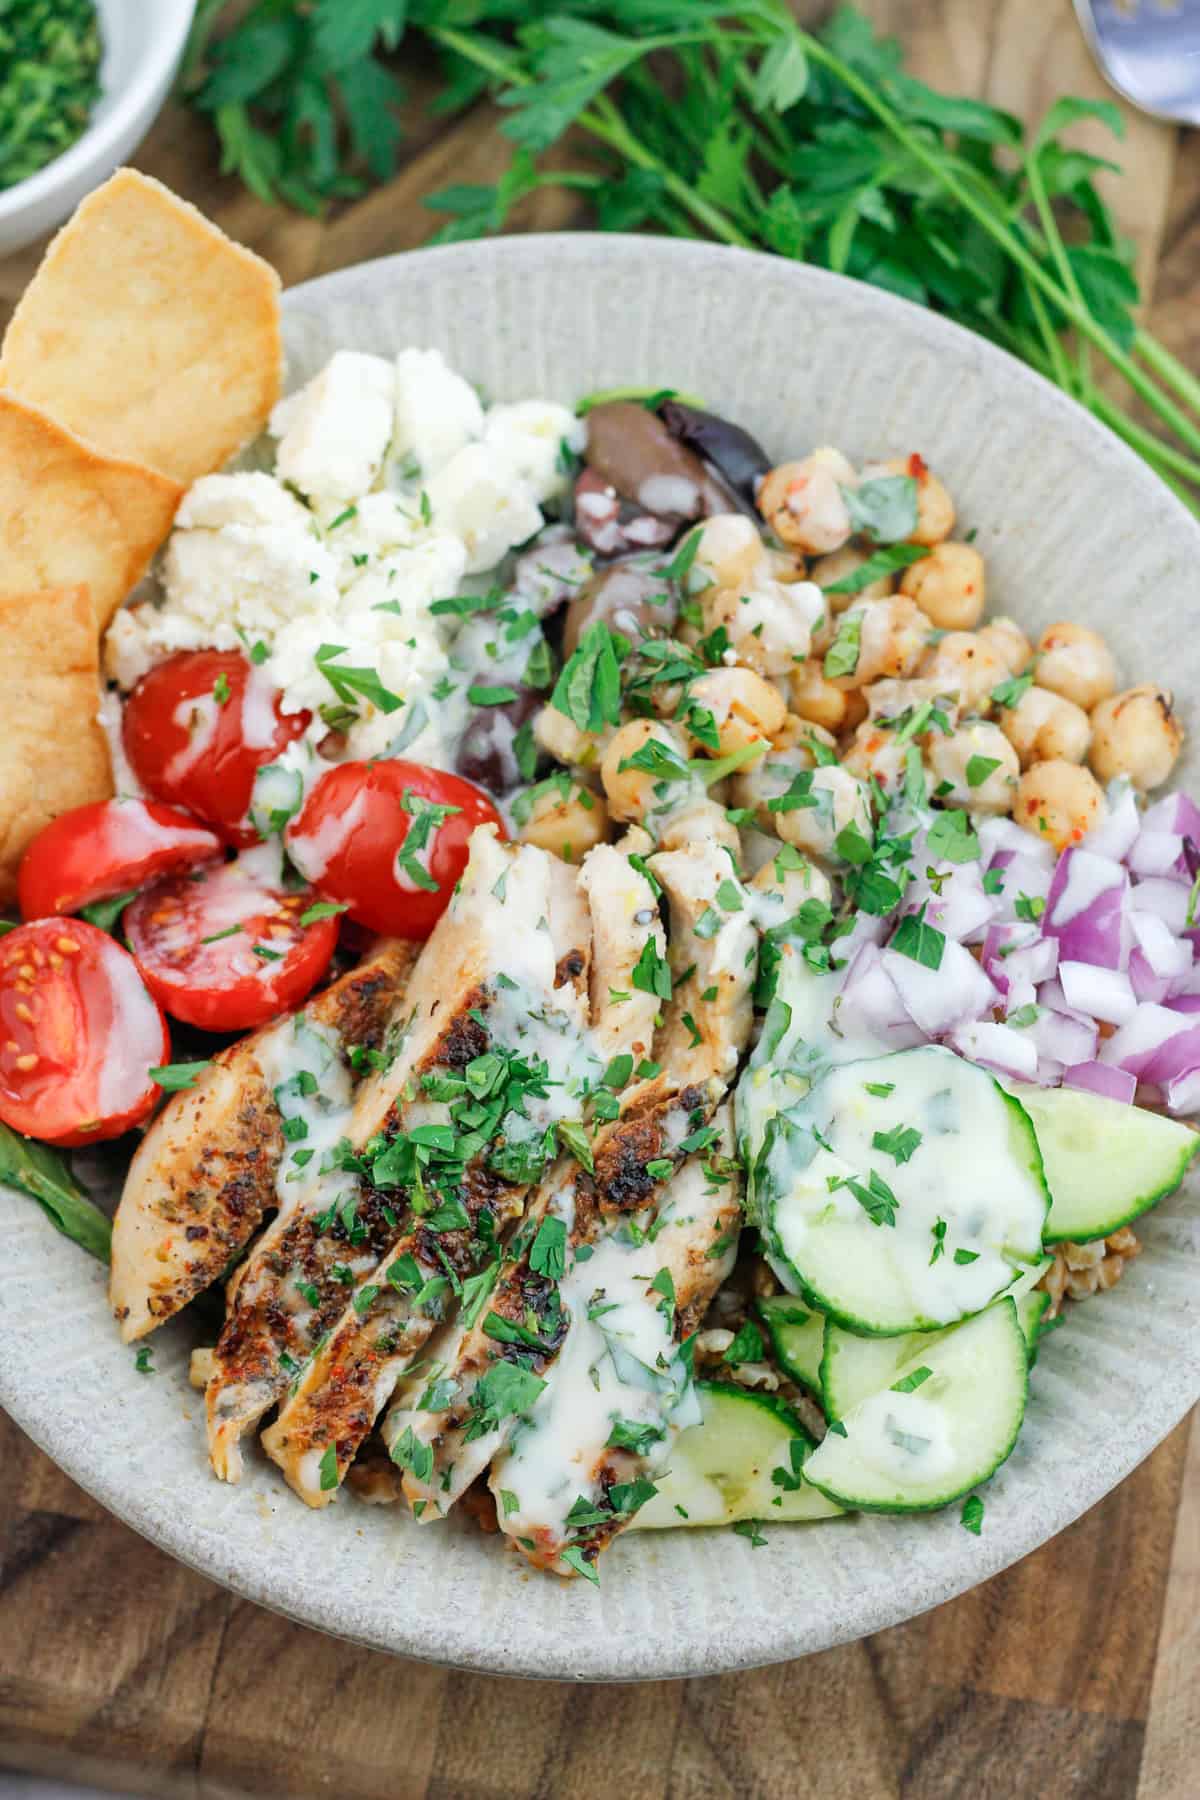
247, 576
480, 499
245, 499
529, 436
334, 434
437, 413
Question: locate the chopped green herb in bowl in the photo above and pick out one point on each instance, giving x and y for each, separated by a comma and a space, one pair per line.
50, 54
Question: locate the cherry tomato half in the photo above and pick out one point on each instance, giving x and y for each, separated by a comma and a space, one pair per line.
198, 727
378, 837
97, 851
221, 949
78, 1034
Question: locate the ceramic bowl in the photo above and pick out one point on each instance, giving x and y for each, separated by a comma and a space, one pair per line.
1072, 526
143, 43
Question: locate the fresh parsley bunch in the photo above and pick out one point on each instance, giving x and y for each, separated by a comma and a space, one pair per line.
731, 120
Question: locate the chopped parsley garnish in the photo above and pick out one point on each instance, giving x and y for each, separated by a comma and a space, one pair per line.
351, 684
328, 1468
963, 1257
651, 973
548, 1252
143, 1362
879, 563
505, 1389
747, 1346
979, 768
574, 1138
939, 1240
910, 1383
921, 943
1011, 692
171, 1077
664, 1284
752, 1529
321, 909
971, 1516
881, 1089
899, 1143
427, 817
874, 1196
626, 1434
885, 509
479, 695
409, 1453
588, 689
841, 658
952, 839
1029, 907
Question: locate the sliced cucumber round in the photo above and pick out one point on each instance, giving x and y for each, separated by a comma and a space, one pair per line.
947, 1422
1031, 1308
854, 1367
797, 1336
901, 1193
1106, 1163
742, 1461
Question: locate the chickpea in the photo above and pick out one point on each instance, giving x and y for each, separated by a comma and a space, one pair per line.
962, 760
729, 552
803, 504
1044, 727
770, 625
875, 752
1060, 802
815, 811
566, 819
935, 508
819, 701
887, 700
892, 639
785, 890
948, 585
1077, 663
804, 735
745, 708
1136, 734
1008, 641
704, 822
963, 665
562, 739
632, 792
830, 569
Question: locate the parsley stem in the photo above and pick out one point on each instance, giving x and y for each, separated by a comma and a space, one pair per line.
935, 163
1168, 368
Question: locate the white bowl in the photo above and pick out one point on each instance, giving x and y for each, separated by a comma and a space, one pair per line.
1072, 525
143, 43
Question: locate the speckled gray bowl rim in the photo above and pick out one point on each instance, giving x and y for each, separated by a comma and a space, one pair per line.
591, 1644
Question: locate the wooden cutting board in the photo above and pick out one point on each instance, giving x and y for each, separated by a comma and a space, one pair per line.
1075, 1675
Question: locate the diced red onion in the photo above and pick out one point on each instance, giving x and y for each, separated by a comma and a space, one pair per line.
940, 999
1065, 1039
1116, 834
998, 835
1002, 1047
1177, 813
1003, 942
1158, 853
1185, 1003
1183, 1093
1035, 962
1169, 899
1104, 992
961, 910
1141, 1040
1145, 983
1084, 909
1166, 954
871, 1006
1099, 1078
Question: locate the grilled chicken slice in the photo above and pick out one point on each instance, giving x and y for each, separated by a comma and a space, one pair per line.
333, 1226
582, 1461
713, 953
203, 1177
545, 1014
448, 1436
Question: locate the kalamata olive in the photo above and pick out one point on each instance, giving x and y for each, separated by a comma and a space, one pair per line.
630, 596
485, 752
636, 454
551, 572
613, 526
740, 458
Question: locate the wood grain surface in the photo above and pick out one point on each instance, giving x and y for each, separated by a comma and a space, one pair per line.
1074, 1676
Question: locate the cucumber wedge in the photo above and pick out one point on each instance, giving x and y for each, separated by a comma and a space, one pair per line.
1106, 1163
920, 1448
854, 1367
1031, 1308
797, 1337
901, 1193
741, 1462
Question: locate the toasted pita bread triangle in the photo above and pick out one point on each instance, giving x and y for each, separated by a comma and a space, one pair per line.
53, 752
148, 332
69, 514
